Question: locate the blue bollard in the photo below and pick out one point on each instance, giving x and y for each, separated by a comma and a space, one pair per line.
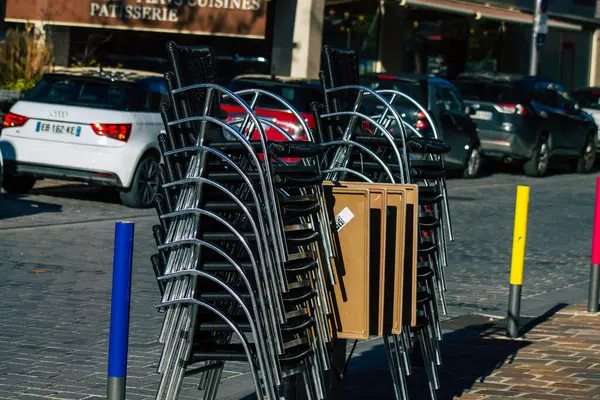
119, 310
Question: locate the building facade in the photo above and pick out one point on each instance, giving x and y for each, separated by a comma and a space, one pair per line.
448, 37
134, 33
285, 37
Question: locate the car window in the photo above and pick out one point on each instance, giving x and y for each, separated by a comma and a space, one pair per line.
588, 99
298, 95
448, 99
499, 93
545, 96
79, 91
155, 94
410, 88
564, 99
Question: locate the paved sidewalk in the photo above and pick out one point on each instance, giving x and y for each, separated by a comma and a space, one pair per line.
557, 357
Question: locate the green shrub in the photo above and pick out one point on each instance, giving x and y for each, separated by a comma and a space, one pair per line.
24, 57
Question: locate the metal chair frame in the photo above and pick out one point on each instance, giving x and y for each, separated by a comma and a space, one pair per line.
232, 325
270, 194
275, 271
341, 156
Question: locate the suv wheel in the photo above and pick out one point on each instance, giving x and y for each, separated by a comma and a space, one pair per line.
144, 185
18, 184
587, 159
537, 166
473, 165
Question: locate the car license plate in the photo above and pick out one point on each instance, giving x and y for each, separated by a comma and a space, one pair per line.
60, 129
485, 115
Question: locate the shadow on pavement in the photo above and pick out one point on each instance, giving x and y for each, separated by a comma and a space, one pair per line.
14, 206
77, 191
470, 354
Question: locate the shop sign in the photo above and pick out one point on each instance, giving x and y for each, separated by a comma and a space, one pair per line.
242, 18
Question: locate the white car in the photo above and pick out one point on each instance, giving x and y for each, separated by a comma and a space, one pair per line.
90, 125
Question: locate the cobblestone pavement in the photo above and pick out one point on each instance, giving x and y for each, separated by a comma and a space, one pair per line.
56, 261
557, 358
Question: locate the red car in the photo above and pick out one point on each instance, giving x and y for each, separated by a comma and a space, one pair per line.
300, 93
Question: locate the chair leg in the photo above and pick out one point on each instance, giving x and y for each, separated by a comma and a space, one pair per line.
213, 385
429, 285
400, 357
400, 391
406, 344
432, 333
427, 364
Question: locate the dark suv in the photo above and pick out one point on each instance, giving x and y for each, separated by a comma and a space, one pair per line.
447, 109
529, 120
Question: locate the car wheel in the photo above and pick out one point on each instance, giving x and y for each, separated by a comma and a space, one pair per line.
473, 166
144, 185
18, 184
537, 166
587, 159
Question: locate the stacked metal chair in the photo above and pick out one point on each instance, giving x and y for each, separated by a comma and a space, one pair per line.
379, 157
243, 242
244, 262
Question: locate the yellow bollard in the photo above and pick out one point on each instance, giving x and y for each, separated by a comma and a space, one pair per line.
518, 259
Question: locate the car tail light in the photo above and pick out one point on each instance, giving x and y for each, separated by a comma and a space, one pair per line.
421, 122
366, 126
114, 131
512, 109
12, 120
386, 77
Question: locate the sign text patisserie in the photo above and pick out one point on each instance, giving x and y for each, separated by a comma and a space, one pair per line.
245, 18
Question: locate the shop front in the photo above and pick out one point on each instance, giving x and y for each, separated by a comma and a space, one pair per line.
450, 37
134, 33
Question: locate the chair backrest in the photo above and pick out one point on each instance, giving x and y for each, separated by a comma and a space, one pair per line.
190, 66
340, 69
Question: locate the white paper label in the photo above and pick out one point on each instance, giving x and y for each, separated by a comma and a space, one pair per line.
343, 218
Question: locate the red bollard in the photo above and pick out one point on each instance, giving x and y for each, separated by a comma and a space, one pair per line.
595, 264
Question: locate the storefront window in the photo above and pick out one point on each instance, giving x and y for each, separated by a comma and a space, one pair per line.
485, 38
447, 44
354, 25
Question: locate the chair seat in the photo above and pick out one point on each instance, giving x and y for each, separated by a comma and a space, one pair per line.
296, 325
295, 355
427, 247
429, 199
429, 222
210, 351
297, 267
298, 296
428, 145
424, 272
224, 266
423, 297
422, 322
427, 173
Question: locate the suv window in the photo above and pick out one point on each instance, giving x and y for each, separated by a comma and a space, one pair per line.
449, 100
298, 95
588, 98
83, 92
546, 97
565, 101
414, 89
488, 92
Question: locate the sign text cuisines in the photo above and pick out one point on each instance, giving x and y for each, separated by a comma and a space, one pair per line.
243, 18
165, 10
